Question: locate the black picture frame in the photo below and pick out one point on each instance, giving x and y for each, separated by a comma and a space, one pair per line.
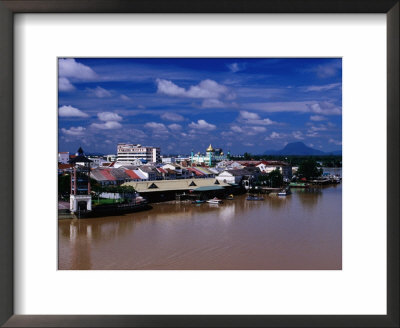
10, 7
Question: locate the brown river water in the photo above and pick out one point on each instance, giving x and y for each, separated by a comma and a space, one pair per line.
302, 231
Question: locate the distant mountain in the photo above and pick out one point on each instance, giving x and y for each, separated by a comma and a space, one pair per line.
335, 152
299, 148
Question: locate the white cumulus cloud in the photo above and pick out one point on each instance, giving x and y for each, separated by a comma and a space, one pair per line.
69, 111
70, 68
298, 135
74, 131
236, 128
172, 117
274, 135
255, 129
317, 118
175, 127
124, 97
321, 108
205, 89
65, 85
323, 87
109, 116
100, 92
249, 116
155, 126
110, 125
253, 119
336, 142
202, 125
236, 67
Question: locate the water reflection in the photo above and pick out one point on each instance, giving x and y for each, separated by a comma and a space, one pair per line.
299, 231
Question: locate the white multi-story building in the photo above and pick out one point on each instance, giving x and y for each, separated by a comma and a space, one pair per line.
130, 152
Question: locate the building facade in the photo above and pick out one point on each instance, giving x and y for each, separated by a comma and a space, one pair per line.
129, 152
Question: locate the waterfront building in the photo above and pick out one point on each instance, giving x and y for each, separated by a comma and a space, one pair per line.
211, 156
80, 199
63, 157
239, 176
127, 153
283, 167
163, 190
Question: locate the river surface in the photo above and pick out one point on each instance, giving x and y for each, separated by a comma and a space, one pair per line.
302, 231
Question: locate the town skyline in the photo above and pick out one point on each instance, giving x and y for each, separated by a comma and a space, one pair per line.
241, 105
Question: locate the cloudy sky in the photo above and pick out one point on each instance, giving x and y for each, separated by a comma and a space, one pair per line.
246, 104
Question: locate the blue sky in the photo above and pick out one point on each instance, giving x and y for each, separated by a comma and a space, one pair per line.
184, 104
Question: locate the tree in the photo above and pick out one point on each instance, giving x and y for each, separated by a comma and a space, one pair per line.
247, 156
276, 179
262, 179
309, 169
64, 185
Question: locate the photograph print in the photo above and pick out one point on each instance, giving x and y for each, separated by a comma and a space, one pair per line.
199, 163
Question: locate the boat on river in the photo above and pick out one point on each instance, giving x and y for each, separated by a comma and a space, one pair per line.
299, 185
284, 192
198, 201
214, 200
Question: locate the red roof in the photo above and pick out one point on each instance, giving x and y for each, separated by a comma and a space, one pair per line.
197, 172
132, 174
106, 173
64, 166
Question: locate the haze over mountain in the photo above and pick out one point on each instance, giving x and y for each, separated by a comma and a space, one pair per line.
299, 148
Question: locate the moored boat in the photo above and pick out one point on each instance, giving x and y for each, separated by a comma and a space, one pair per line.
214, 200
298, 185
284, 192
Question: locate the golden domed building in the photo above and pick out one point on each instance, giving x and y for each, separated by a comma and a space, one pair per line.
210, 158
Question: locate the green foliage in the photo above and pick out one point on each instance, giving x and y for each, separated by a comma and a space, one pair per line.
273, 179
247, 156
64, 185
125, 191
276, 178
326, 160
309, 169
